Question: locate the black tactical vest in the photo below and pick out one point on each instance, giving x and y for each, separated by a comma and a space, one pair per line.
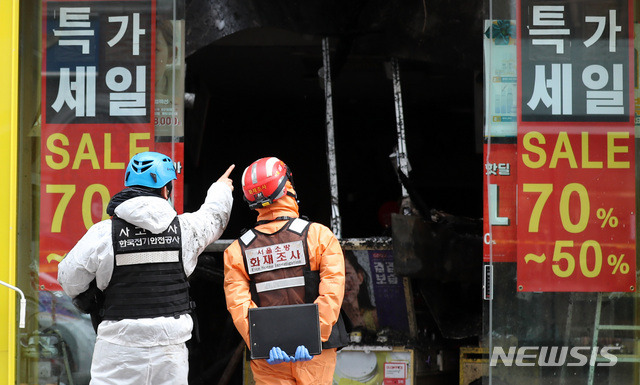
148, 277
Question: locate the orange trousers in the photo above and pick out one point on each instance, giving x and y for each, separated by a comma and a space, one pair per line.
317, 371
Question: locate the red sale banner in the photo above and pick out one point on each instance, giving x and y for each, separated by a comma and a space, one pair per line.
576, 205
576, 148
499, 221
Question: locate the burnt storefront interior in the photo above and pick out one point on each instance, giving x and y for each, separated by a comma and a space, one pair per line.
255, 84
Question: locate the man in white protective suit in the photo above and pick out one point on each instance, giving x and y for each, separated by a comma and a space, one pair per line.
130, 272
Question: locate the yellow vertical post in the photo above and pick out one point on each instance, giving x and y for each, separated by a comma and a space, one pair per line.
9, 15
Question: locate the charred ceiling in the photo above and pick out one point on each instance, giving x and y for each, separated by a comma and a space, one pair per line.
255, 70
423, 30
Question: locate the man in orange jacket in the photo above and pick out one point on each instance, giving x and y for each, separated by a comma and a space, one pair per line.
318, 277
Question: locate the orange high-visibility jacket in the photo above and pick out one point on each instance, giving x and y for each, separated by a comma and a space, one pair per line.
325, 256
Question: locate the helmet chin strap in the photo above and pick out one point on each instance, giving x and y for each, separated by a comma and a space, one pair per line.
290, 178
294, 196
274, 196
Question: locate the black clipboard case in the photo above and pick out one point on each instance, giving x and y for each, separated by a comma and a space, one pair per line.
286, 327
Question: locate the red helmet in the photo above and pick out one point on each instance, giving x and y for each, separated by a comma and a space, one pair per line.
264, 182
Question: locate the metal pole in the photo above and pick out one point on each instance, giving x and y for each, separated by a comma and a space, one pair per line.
336, 222
401, 152
594, 340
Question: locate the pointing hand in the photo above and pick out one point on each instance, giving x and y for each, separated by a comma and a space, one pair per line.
225, 177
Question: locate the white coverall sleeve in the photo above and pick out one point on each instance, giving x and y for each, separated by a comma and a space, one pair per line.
91, 257
203, 227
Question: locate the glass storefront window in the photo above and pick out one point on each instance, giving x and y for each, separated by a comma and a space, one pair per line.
560, 193
102, 82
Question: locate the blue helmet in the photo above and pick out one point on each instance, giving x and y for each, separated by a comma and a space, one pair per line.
149, 169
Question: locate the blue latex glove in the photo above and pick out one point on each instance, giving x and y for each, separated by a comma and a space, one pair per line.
277, 356
302, 354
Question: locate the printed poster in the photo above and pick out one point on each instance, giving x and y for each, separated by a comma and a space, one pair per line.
98, 110
499, 222
576, 147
